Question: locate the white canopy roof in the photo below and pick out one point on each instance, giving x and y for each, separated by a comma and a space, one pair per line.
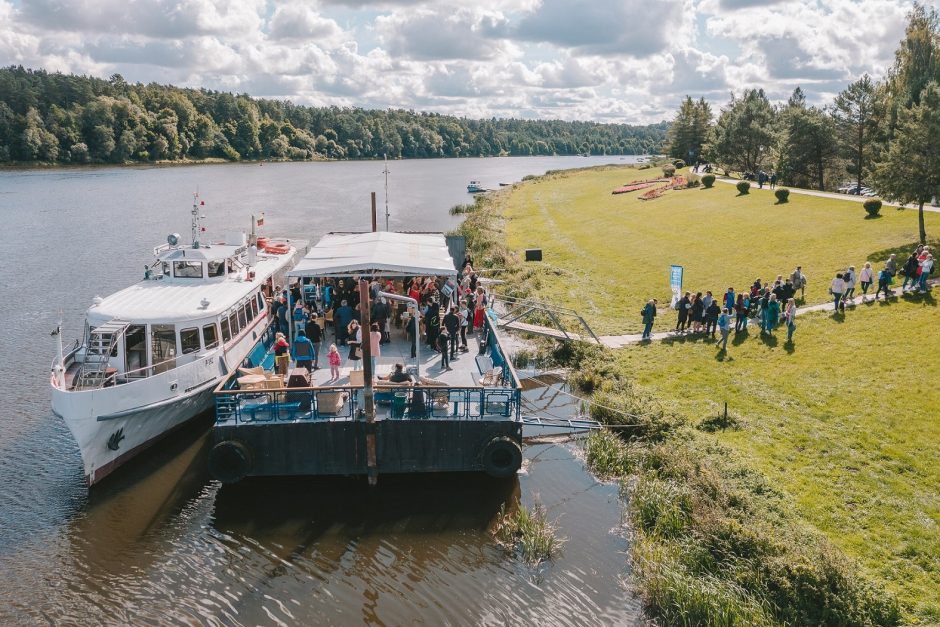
382, 254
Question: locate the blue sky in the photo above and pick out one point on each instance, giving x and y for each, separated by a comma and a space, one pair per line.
604, 60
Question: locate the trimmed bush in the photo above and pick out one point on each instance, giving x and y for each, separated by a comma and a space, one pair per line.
782, 194
743, 187
708, 180
679, 163
872, 207
669, 170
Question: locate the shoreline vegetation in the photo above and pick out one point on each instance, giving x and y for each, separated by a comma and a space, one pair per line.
50, 117
737, 519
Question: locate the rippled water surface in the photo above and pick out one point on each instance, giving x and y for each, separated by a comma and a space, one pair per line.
162, 543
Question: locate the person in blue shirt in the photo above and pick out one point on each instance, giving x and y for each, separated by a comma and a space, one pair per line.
724, 326
341, 318
303, 351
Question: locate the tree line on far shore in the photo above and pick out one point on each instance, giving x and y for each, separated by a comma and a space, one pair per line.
59, 118
885, 134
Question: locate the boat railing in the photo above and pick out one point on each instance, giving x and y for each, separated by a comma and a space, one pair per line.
345, 403
138, 373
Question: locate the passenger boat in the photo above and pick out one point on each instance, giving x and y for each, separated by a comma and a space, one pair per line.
153, 352
475, 187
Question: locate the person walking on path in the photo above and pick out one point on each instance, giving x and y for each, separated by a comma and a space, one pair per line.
909, 270
698, 313
925, 268
866, 278
837, 289
724, 325
891, 265
773, 179
684, 306
790, 317
849, 278
884, 283
649, 315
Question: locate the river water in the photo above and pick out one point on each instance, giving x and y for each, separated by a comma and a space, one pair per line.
161, 543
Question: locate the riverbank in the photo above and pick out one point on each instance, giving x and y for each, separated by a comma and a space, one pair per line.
811, 496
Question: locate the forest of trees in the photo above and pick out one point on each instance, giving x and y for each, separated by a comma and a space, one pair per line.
53, 117
882, 133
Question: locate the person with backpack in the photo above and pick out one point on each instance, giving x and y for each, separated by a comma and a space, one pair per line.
836, 290
303, 351
884, 282
850, 278
798, 279
649, 315
773, 314
925, 268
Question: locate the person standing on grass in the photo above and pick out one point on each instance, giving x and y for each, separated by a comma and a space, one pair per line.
773, 313
740, 312
773, 179
707, 300
790, 317
866, 277
891, 265
764, 305
724, 325
649, 315
837, 289
729, 299
925, 268
884, 281
850, 279
698, 313
712, 313
684, 307
799, 282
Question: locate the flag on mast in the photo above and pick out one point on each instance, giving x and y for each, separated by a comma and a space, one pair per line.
260, 220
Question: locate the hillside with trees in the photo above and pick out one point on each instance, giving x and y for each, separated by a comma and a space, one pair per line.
60, 118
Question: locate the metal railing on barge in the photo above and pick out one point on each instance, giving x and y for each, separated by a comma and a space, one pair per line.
420, 401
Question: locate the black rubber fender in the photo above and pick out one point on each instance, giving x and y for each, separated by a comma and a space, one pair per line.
230, 461
501, 457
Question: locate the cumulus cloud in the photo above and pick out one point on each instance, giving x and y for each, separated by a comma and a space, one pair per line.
442, 34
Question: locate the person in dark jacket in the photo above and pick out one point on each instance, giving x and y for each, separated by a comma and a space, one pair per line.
313, 333
683, 307
341, 318
711, 317
303, 351
443, 339
432, 324
452, 324
649, 315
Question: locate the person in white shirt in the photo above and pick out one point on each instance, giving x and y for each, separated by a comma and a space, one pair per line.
837, 289
849, 285
866, 277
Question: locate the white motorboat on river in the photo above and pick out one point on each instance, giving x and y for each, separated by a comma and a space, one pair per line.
153, 352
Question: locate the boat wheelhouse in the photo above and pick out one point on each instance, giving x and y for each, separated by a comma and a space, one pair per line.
475, 187
153, 352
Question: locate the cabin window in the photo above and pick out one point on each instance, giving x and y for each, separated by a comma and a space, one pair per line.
163, 347
210, 336
233, 322
260, 302
166, 268
254, 307
242, 321
216, 268
187, 269
135, 351
189, 341
226, 332
249, 313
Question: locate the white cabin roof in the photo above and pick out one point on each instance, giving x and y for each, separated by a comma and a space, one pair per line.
173, 301
214, 252
383, 253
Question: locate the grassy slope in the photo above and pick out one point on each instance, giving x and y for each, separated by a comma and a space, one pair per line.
847, 422
616, 250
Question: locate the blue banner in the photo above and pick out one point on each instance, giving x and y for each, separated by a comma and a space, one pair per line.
675, 282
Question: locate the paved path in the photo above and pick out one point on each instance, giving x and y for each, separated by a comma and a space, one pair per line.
833, 195
619, 341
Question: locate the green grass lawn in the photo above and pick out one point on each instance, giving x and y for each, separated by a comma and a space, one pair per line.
846, 421
615, 251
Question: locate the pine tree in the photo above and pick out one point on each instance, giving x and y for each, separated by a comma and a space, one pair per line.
856, 115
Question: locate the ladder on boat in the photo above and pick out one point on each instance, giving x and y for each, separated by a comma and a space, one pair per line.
102, 340
512, 311
534, 426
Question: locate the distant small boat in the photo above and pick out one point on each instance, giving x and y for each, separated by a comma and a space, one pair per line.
505, 184
475, 187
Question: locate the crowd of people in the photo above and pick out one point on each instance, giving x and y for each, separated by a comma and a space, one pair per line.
449, 311
775, 304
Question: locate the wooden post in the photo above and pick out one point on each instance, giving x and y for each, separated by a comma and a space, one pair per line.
368, 391
375, 225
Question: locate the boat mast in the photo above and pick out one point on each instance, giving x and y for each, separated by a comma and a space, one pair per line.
385, 171
196, 218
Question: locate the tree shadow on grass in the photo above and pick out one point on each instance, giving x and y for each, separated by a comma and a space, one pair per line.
901, 251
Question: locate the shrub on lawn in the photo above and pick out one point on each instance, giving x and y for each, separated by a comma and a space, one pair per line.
743, 187
782, 194
669, 169
708, 180
872, 207
644, 166
679, 163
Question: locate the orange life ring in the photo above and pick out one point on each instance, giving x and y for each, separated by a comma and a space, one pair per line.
279, 248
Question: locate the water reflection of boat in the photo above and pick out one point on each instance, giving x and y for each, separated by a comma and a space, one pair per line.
152, 352
475, 187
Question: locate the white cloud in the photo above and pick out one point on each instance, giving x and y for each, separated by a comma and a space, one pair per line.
608, 60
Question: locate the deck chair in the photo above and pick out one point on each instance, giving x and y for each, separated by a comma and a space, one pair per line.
492, 377
247, 371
